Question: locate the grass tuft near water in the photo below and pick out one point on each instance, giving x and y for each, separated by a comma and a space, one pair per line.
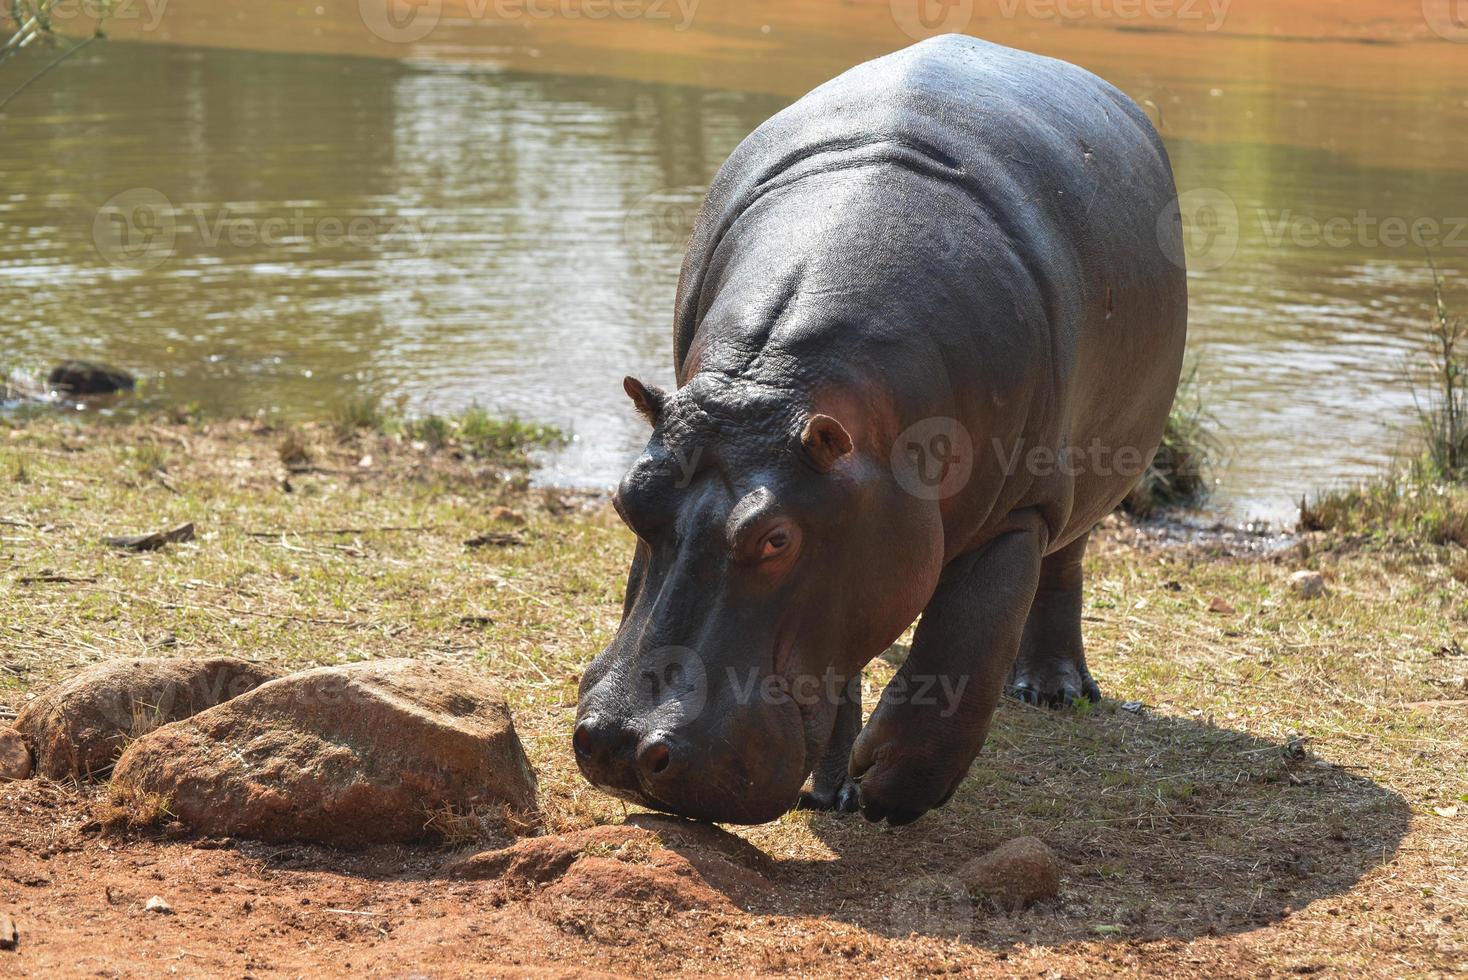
474, 431
1425, 500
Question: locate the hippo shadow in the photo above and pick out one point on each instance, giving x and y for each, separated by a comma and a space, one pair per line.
1163, 827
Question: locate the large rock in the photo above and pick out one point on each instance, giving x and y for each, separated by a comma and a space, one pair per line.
349, 756
15, 758
78, 728
1014, 874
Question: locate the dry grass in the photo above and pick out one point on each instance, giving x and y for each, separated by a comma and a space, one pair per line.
486, 826
122, 808
1289, 791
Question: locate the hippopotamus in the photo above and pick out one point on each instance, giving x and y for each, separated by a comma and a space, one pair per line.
927, 334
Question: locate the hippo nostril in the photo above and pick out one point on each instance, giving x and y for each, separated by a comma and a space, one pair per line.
582, 739
655, 756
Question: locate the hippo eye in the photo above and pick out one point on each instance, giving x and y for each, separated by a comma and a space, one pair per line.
774, 543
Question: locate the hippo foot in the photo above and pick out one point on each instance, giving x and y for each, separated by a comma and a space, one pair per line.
877, 809
897, 786
1058, 685
845, 799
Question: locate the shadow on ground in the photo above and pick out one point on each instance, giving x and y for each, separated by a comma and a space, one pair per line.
1164, 828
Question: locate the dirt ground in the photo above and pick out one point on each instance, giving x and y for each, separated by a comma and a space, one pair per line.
859, 901
1274, 785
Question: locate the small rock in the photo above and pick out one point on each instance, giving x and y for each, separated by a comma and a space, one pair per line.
78, 727
1014, 874
1308, 584
495, 539
9, 934
87, 378
352, 755
158, 906
152, 541
15, 758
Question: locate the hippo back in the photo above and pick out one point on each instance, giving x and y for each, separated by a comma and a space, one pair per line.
1066, 168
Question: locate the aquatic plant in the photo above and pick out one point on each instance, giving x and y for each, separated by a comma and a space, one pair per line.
28, 23
1442, 412
1425, 498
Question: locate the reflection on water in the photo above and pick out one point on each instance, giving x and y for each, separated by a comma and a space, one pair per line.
455, 237
458, 236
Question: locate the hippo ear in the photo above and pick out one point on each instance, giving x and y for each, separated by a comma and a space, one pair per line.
825, 441
649, 399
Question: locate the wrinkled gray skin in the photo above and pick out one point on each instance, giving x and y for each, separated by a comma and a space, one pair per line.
957, 231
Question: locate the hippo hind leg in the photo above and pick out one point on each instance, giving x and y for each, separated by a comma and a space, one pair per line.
1051, 667
832, 787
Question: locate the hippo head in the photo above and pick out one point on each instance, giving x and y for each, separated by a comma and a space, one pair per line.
775, 557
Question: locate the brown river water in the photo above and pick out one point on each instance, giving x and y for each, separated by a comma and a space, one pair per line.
265, 207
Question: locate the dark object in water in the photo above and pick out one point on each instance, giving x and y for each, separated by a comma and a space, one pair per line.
87, 378
152, 542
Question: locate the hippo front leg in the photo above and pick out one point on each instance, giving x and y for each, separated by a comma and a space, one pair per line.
831, 785
932, 718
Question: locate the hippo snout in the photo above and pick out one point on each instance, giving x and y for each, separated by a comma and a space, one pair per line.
617, 756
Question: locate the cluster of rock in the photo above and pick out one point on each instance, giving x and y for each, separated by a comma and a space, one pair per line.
348, 755
379, 752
